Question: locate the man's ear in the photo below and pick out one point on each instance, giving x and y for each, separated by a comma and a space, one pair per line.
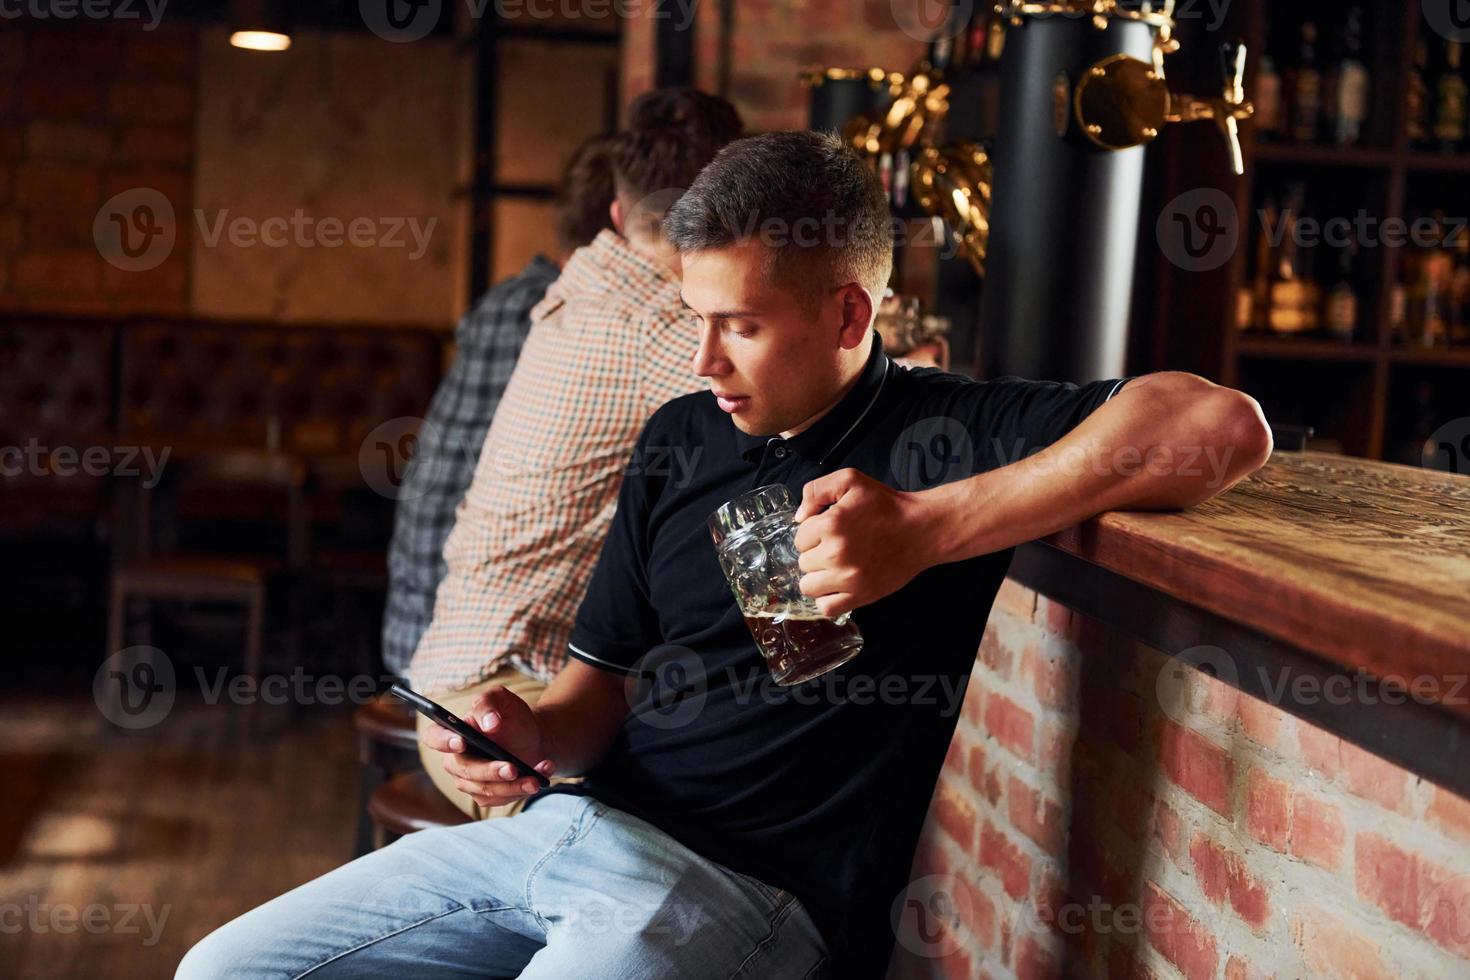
857, 315
615, 212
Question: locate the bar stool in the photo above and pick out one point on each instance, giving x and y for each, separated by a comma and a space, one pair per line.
387, 746
407, 803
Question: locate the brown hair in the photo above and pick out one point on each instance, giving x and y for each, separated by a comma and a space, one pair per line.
671, 134
586, 193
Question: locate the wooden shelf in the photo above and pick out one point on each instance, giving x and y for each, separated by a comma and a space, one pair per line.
1304, 349
1434, 163
1431, 357
1316, 155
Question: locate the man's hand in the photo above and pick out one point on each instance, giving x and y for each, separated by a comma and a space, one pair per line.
859, 540
510, 723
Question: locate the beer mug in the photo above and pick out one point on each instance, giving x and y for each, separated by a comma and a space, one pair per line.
755, 536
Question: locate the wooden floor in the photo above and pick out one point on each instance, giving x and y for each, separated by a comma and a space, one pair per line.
121, 849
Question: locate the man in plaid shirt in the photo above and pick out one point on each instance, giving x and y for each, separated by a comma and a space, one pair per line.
488, 341
608, 345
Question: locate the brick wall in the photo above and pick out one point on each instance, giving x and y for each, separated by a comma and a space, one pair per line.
772, 41
86, 114
1081, 830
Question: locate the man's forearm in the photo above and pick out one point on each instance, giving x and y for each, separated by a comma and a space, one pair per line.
579, 715
1164, 442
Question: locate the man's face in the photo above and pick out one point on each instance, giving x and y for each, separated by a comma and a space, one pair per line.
772, 364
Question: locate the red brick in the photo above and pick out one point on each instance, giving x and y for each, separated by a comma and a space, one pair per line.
1015, 600
1222, 875
170, 56
1450, 813
975, 767
168, 280
175, 185
1001, 855
974, 706
1219, 701
1196, 765
1319, 749
1054, 753
1010, 724
1033, 962
954, 756
1317, 832
1091, 635
168, 145
956, 815
50, 139
58, 271
53, 186
1168, 830
995, 654
1055, 617
1375, 779
62, 50
1260, 721
1447, 910
1132, 806
1178, 937
60, 97
984, 917
1053, 674
1333, 949
1123, 965
1414, 891
992, 789
60, 228
1036, 816
154, 101
1051, 896
1268, 810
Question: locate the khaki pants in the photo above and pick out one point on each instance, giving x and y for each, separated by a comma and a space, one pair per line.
529, 689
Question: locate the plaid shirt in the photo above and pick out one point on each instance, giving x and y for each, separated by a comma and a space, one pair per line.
610, 343
489, 341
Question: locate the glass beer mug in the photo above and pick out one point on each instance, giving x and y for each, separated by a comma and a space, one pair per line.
755, 535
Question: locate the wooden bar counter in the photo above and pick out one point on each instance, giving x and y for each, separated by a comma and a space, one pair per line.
1348, 572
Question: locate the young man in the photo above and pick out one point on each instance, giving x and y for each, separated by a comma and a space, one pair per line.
727, 827
488, 343
609, 345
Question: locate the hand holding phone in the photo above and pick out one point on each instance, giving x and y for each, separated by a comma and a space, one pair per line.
492, 771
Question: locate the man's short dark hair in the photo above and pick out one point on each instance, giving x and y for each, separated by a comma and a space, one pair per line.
670, 135
806, 196
585, 194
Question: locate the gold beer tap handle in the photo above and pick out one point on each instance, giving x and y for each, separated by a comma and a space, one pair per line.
1226, 111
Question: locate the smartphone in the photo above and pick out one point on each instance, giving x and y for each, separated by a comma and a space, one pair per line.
475, 740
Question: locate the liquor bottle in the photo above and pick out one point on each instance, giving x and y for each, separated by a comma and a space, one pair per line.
1449, 101
1418, 120
1296, 298
1459, 293
1304, 89
1340, 317
1268, 100
1346, 99
1435, 269
1270, 218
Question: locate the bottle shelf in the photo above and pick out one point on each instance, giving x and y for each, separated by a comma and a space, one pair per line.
1265, 346
1322, 155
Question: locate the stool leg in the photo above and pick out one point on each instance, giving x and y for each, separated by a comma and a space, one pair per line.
116, 613
254, 630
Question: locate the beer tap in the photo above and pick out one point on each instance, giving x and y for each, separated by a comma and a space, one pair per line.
1122, 102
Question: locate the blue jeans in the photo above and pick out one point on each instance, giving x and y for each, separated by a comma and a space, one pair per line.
568, 887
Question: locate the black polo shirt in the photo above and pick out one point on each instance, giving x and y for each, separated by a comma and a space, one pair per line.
819, 789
